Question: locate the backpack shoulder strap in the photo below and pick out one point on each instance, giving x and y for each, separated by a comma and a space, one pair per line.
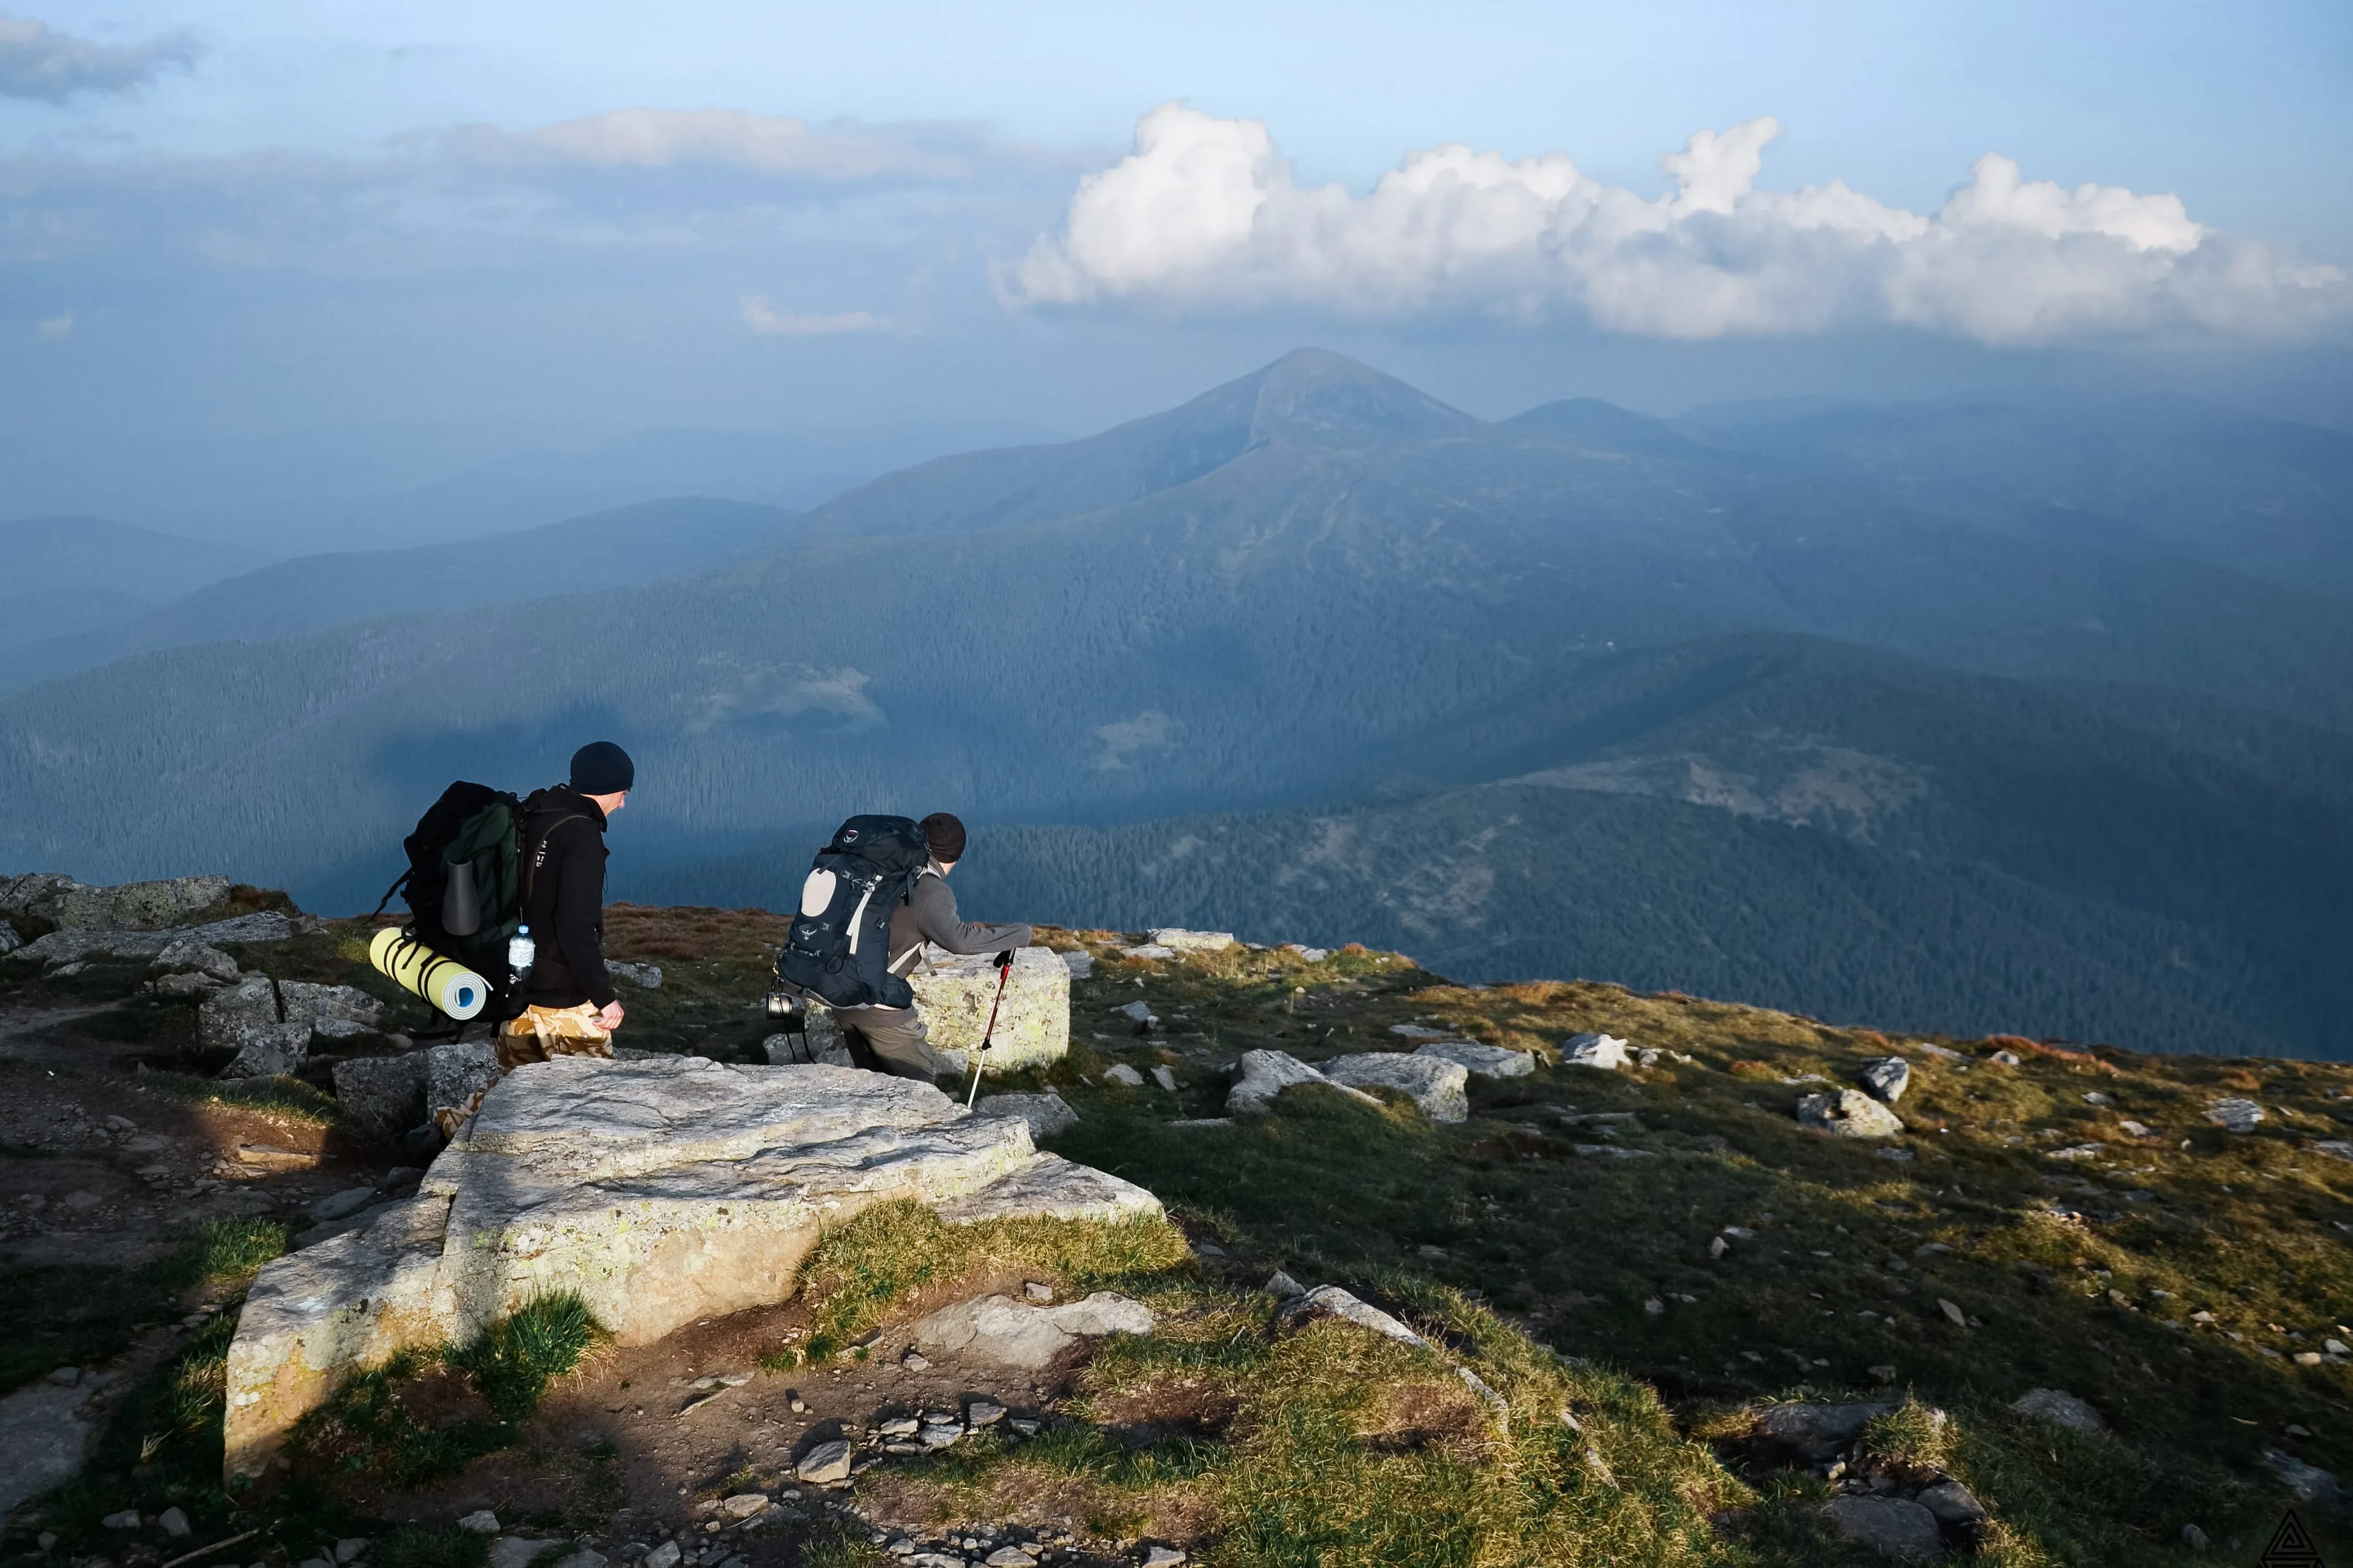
533, 845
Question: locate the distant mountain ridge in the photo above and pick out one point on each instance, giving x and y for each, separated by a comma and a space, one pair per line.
1315, 595
66, 574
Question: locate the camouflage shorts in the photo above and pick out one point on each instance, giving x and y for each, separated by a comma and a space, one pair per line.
540, 1034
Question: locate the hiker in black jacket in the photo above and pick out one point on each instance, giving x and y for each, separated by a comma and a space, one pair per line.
891, 1039
573, 1009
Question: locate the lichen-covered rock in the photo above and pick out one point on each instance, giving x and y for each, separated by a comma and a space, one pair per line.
1888, 1078
70, 905
1435, 1085
1013, 1334
59, 948
1480, 1060
1848, 1114
268, 1024
385, 1094
1893, 1527
1046, 1111
270, 1050
185, 955
1605, 1051
1262, 1074
2235, 1114
659, 1190
1033, 1023
457, 1070
1183, 940
2060, 1408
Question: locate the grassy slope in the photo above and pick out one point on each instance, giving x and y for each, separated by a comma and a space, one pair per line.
1504, 1242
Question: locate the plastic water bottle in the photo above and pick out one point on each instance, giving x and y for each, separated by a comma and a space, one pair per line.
522, 951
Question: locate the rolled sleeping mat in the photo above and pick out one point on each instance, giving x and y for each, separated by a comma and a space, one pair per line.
444, 982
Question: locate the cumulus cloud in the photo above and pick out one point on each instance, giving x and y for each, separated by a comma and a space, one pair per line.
769, 322
39, 62
56, 327
1121, 742
1206, 214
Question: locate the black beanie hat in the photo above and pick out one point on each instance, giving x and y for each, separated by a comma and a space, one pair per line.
945, 834
601, 767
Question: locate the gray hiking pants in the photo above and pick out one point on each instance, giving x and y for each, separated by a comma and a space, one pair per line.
894, 1038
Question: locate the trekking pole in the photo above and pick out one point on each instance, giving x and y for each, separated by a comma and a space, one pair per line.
1004, 974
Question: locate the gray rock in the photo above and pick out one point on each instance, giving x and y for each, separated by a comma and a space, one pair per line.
349, 1549
1166, 1077
1953, 1504
1193, 941
1595, 1051
186, 956
667, 1554
1812, 1426
1331, 1302
1263, 1075
385, 1094
481, 1522
1890, 1526
186, 986
127, 1520
1282, 1287
2059, 1408
129, 906
455, 1071
1848, 1114
2235, 1115
1161, 1557
1124, 1074
1007, 1333
1079, 963
1434, 1084
44, 1437
955, 995
982, 1413
1150, 950
1308, 954
1046, 1112
270, 1050
2307, 1483
1479, 1060
348, 1202
9, 941
598, 1177
644, 976
2195, 1539
1137, 1012
246, 1017
1888, 1078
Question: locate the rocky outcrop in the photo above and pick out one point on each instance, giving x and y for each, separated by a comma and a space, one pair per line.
1262, 1074
1887, 1078
60, 948
1848, 1113
269, 1024
57, 899
1595, 1051
1046, 1112
1434, 1084
660, 1191
1480, 1061
1012, 1333
1033, 1023
384, 1094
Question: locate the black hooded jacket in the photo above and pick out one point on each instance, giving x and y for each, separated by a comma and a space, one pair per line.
564, 898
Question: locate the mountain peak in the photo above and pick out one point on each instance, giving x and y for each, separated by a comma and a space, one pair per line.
1314, 397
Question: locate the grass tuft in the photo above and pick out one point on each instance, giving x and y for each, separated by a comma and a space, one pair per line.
511, 1362
429, 1546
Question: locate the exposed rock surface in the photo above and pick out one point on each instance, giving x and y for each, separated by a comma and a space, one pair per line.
269, 1024
68, 905
455, 1070
660, 1190
1013, 1334
385, 1093
1893, 1527
1433, 1083
1185, 940
2234, 1114
1046, 1112
1595, 1051
1480, 1061
9, 941
186, 955
2059, 1408
1262, 1074
1848, 1114
62, 947
1033, 1023
644, 976
1888, 1078
43, 1432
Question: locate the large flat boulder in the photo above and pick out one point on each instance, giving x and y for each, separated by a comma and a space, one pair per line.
1033, 1026
68, 905
660, 1190
1433, 1083
68, 946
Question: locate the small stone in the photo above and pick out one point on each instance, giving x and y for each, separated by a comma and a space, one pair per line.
898, 1426
796, 1404
1960, 1319
1124, 1074
350, 1548
1165, 1077
1283, 1288
66, 1376
2195, 1539
2235, 1115
1884, 1372
481, 1522
666, 1555
1022, 1426
2307, 1358
1848, 1114
127, 1520
743, 1505
1010, 1557
1887, 1078
1162, 1557
1591, 1051
915, 1360
1655, 1308
1037, 1290
2059, 1408
174, 1523
825, 1464
1953, 1503
982, 1413
2004, 1058
1889, 1526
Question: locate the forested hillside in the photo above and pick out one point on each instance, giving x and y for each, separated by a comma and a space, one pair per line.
67, 575
2005, 771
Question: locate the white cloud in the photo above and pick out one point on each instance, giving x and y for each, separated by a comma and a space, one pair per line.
38, 61
58, 326
837, 697
773, 323
1150, 730
723, 138
1205, 214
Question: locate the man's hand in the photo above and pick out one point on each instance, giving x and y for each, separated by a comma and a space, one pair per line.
610, 1019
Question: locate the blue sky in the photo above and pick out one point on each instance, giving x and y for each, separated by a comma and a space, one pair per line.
256, 221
